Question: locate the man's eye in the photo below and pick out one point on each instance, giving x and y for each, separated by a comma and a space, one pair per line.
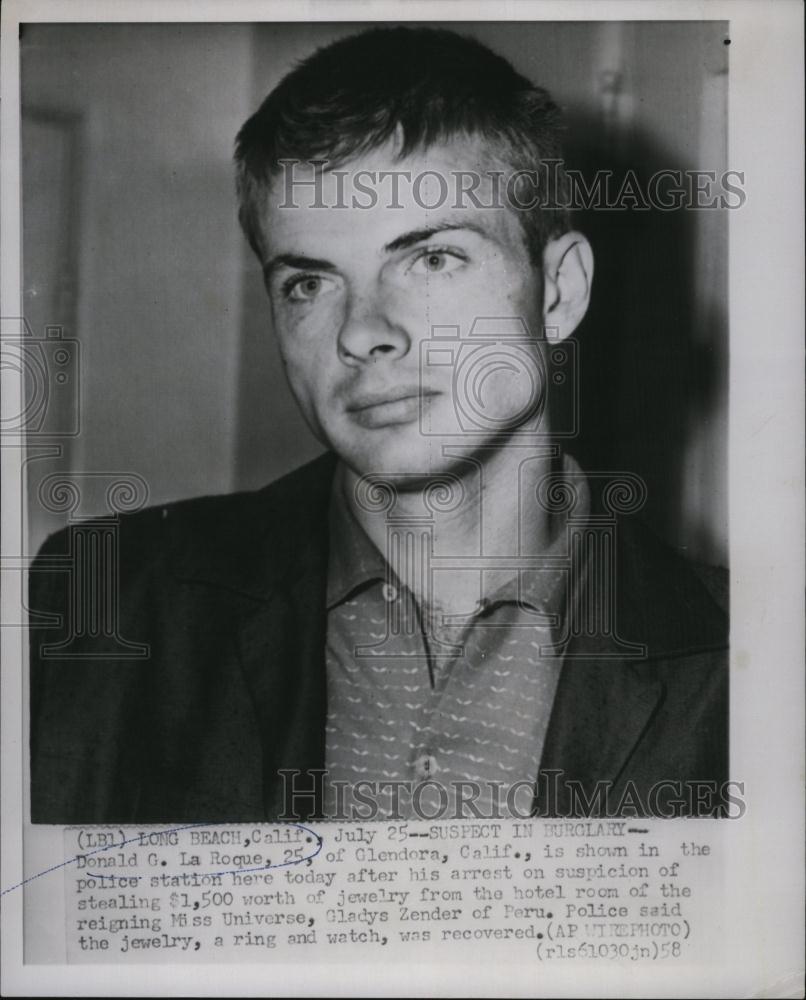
436, 262
306, 287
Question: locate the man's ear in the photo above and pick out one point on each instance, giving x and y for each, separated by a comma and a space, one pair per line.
567, 277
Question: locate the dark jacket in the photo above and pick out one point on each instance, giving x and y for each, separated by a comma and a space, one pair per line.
214, 677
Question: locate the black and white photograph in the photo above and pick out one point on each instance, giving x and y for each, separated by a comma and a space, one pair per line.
384, 498
459, 589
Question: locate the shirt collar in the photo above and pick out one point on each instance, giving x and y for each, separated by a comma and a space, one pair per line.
543, 588
354, 561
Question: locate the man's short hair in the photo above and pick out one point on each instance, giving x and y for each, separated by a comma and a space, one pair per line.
424, 85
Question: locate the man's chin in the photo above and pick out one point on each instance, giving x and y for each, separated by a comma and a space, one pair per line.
405, 462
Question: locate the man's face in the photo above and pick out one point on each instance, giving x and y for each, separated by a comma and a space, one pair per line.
357, 292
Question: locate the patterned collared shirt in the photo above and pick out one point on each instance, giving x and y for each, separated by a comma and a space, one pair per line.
436, 711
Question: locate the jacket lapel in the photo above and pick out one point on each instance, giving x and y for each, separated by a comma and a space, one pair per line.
601, 709
605, 700
270, 550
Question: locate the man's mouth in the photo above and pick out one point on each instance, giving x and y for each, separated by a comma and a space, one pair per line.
395, 405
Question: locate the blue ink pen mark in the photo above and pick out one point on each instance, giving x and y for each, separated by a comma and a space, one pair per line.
191, 826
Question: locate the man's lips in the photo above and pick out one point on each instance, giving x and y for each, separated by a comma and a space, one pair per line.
366, 400
395, 405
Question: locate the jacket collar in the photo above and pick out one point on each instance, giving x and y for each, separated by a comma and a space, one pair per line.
255, 544
660, 608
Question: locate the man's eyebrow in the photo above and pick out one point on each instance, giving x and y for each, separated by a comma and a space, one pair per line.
419, 235
298, 261
301, 262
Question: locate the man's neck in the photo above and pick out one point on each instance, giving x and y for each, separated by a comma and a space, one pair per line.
485, 504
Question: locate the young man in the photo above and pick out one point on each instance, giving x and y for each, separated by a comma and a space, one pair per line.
441, 616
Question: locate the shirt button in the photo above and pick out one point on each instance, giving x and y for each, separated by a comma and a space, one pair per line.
426, 766
389, 592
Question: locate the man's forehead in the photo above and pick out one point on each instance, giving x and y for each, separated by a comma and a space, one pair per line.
384, 196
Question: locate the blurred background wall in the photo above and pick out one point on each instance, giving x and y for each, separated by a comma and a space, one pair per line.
131, 246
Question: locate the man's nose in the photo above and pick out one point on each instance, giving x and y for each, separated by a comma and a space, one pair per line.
370, 333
